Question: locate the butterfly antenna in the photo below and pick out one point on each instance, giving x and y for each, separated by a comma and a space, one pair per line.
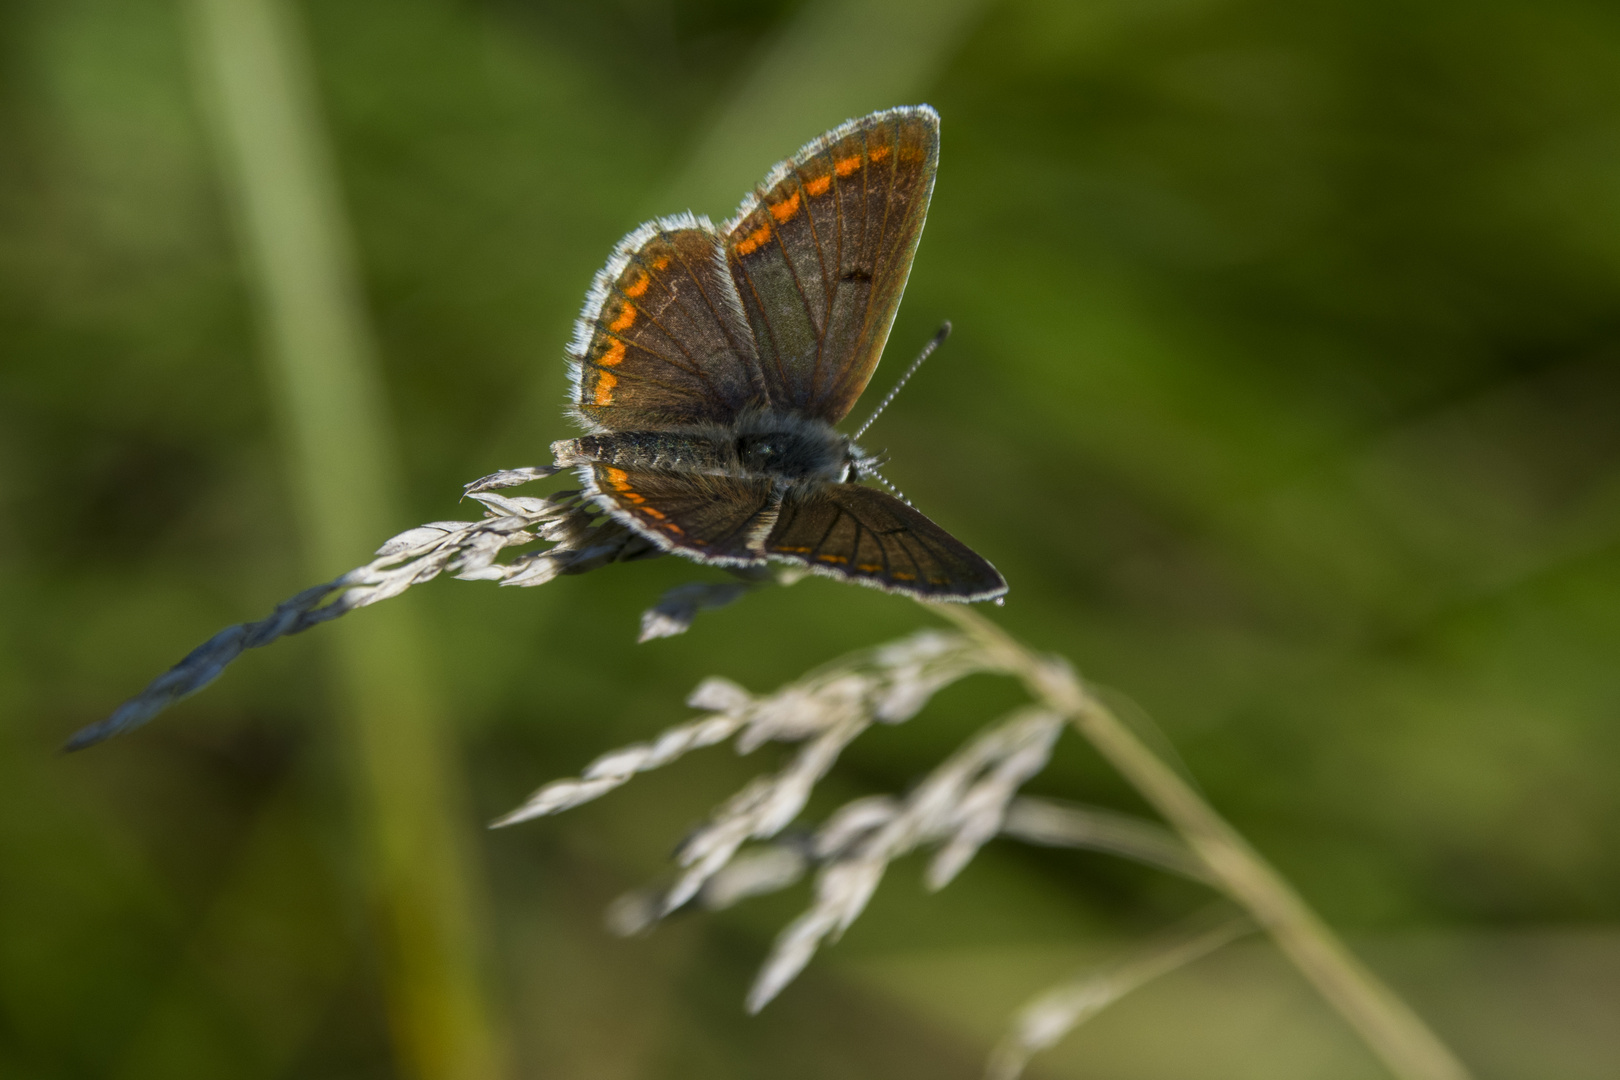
884, 480
928, 350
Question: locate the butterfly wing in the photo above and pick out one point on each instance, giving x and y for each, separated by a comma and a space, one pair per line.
662, 339
719, 519
858, 534
821, 252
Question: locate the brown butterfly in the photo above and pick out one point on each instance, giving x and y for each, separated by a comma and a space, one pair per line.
709, 367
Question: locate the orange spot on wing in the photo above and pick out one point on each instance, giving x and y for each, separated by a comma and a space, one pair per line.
912, 154
795, 550
750, 243
614, 355
833, 558
900, 575
652, 513
845, 166
661, 262
674, 528
878, 153
626, 319
638, 286
870, 568
605, 382
818, 187
619, 480
783, 211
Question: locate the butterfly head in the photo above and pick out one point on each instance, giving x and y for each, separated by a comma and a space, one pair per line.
860, 464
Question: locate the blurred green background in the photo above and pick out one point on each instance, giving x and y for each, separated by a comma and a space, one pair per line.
1284, 391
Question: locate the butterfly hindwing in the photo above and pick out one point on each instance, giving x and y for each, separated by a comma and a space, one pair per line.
859, 534
715, 518
820, 256
662, 339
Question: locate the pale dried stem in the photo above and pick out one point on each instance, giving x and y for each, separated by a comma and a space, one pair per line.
1059, 824
959, 806
769, 868
1386, 1023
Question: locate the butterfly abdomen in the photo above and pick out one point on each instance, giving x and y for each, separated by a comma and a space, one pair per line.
649, 450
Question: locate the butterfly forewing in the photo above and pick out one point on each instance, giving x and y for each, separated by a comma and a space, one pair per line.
863, 535
662, 340
715, 517
821, 254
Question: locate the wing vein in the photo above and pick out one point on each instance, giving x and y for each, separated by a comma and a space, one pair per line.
816, 551
764, 315
671, 387
656, 355
695, 370
798, 286
908, 532
720, 321
826, 281
888, 205
641, 264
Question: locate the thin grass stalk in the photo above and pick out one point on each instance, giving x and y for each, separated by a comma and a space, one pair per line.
1388, 1026
1042, 1023
277, 174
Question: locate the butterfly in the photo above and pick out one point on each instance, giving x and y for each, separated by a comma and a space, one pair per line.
709, 367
